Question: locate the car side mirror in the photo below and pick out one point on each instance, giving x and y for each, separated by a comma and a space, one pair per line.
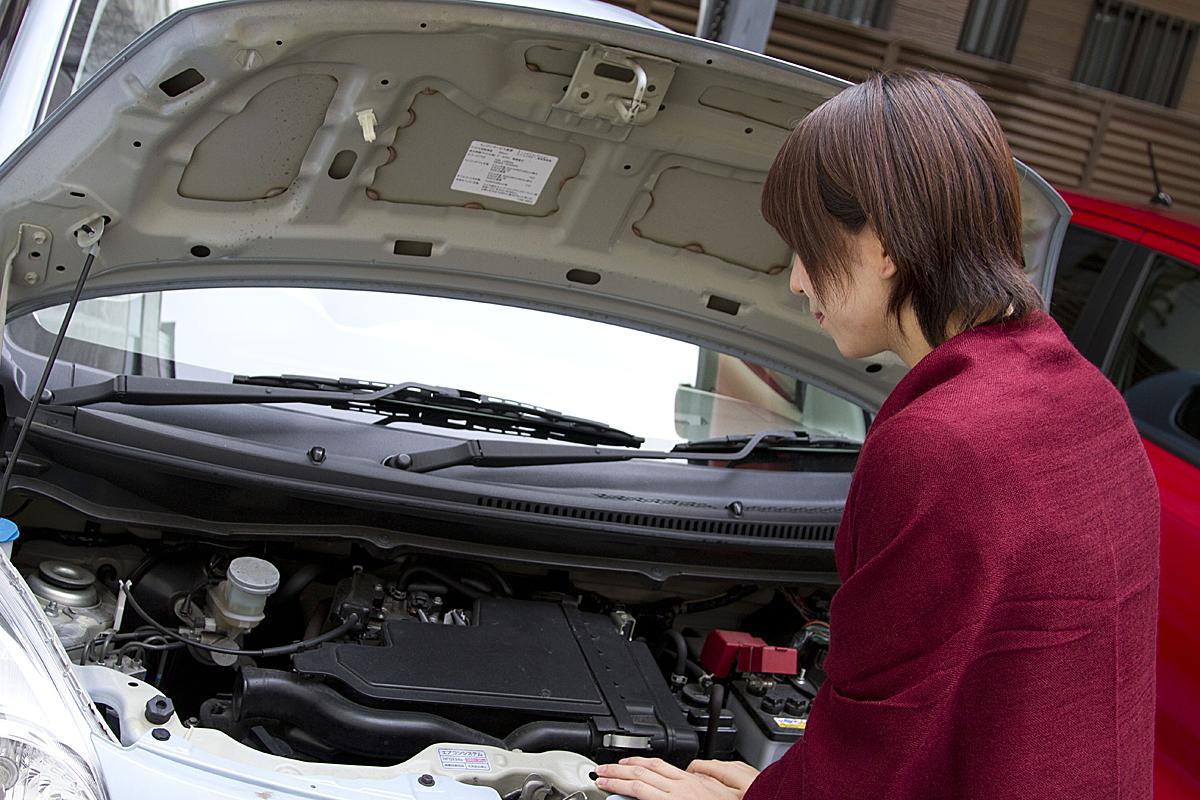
1166, 408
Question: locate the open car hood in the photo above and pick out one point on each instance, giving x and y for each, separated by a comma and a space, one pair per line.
598, 167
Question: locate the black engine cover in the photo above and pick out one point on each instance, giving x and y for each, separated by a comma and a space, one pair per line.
518, 662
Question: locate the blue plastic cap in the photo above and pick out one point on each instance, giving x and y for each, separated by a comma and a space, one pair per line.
8, 530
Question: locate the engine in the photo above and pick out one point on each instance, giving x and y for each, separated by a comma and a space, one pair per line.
343, 663
521, 674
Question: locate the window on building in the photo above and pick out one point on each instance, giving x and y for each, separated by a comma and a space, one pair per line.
990, 28
872, 13
1080, 262
1165, 326
1137, 52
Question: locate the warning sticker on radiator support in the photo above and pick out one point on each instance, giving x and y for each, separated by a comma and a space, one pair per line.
464, 759
791, 723
494, 170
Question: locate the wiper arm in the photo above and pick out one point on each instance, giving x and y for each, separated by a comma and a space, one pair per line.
500, 453
402, 402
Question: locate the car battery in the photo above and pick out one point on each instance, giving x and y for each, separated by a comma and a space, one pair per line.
770, 717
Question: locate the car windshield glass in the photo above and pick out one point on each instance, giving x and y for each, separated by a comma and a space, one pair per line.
100, 29
652, 386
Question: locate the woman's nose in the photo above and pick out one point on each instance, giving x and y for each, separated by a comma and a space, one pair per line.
794, 277
795, 285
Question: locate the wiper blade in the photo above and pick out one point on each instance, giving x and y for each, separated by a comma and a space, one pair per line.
501, 453
402, 402
780, 440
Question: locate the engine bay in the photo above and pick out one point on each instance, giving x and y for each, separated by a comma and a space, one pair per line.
319, 652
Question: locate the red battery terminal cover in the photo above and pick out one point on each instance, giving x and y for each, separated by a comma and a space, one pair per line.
725, 651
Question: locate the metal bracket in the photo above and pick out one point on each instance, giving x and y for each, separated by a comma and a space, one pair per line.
614, 86
621, 741
89, 232
27, 261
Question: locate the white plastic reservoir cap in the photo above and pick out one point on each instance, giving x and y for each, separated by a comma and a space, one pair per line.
253, 575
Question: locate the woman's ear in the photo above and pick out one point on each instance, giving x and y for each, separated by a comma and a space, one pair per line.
887, 267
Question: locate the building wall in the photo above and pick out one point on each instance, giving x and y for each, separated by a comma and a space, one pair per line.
1050, 36
932, 22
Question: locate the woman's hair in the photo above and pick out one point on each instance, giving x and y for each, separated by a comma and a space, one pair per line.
920, 158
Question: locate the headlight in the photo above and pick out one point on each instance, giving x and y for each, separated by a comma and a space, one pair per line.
47, 722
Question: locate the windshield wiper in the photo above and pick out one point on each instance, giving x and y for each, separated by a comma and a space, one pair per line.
402, 402
477, 453
778, 440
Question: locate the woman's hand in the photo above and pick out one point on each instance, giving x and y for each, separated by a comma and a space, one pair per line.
655, 779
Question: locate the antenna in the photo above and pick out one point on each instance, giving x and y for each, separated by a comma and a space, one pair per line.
1160, 198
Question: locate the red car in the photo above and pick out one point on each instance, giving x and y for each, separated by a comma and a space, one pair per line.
1127, 291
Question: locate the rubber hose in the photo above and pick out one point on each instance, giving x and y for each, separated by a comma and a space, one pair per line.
296, 583
348, 726
716, 703
453, 583
681, 652
538, 737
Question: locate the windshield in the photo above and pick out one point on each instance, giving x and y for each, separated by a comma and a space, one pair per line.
652, 386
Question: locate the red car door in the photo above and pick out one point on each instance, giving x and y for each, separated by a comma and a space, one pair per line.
1130, 281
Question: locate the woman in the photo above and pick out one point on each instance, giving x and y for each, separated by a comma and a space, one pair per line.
993, 635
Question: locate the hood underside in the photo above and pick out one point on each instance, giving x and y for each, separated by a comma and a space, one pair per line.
521, 156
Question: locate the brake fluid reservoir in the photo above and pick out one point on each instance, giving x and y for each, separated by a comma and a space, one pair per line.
238, 603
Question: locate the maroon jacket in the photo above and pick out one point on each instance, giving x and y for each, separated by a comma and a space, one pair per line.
993, 636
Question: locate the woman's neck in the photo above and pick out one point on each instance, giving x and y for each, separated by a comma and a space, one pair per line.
908, 341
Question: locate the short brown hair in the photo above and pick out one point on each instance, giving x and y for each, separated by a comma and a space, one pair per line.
920, 158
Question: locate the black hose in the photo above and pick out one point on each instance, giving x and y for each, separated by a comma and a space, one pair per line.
681, 652
266, 652
296, 583
353, 728
383, 733
406, 578
716, 702
538, 737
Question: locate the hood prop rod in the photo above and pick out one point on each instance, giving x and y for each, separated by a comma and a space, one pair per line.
88, 237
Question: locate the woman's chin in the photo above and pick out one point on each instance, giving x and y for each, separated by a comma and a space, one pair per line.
856, 350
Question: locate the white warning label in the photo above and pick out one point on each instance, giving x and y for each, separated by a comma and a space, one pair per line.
464, 759
508, 173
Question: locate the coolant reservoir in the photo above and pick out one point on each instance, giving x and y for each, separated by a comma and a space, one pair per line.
238, 603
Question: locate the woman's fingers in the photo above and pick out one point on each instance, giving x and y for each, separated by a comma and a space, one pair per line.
654, 779
656, 765
643, 778
734, 774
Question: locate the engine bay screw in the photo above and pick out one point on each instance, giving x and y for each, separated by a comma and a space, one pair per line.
426, 780
31, 278
736, 508
316, 455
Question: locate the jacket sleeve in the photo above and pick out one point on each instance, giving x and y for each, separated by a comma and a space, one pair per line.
918, 577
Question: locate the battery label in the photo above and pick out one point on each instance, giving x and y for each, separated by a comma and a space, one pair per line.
791, 723
508, 173
464, 759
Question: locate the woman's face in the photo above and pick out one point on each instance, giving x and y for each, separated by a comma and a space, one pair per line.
857, 318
